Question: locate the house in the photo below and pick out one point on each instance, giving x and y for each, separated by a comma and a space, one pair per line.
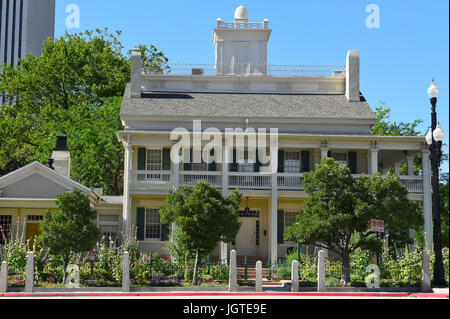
27, 193
316, 116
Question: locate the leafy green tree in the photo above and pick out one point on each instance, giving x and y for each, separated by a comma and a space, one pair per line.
205, 217
339, 209
71, 228
73, 88
153, 61
182, 249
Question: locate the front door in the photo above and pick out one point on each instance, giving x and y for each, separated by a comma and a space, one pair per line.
32, 233
245, 240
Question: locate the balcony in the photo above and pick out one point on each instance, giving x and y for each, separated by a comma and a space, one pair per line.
149, 180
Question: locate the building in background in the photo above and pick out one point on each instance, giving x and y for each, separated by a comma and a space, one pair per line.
24, 26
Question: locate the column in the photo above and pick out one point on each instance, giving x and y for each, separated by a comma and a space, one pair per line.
225, 161
324, 152
316, 157
176, 175
374, 160
427, 202
126, 189
273, 248
410, 161
397, 167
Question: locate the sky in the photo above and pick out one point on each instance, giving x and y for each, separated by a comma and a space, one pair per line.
399, 58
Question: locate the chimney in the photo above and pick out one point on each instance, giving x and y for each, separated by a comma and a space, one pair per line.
61, 156
136, 73
352, 89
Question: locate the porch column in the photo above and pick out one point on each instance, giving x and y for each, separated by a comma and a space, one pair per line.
225, 161
324, 152
427, 203
126, 192
274, 221
316, 157
397, 167
410, 161
374, 160
176, 175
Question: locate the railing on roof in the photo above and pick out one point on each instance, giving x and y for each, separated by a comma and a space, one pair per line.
246, 69
241, 25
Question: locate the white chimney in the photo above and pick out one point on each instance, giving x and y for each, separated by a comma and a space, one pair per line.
352, 89
61, 156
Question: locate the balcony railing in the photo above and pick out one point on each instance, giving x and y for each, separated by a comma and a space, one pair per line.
241, 180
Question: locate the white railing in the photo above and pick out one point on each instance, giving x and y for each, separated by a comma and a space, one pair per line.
243, 180
290, 181
143, 178
242, 25
191, 178
414, 184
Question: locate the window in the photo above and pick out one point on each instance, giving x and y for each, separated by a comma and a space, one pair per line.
109, 227
248, 164
154, 163
152, 224
292, 162
290, 218
5, 223
35, 218
340, 157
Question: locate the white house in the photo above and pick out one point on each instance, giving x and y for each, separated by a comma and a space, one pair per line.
316, 117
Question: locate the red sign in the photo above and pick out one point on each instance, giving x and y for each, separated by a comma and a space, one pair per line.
377, 226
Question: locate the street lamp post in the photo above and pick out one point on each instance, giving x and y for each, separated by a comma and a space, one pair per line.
434, 140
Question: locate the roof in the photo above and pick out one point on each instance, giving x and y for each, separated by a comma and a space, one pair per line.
241, 105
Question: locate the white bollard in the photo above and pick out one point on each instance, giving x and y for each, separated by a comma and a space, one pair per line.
294, 277
232, 283
259, 277
426, 281
126, 272
4, 277
321, 283
29, 281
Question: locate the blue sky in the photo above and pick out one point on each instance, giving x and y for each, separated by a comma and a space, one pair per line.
398, 60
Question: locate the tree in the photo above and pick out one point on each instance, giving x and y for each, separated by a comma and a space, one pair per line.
339, 209
153, 61
204, 216
74, 86
182, 248
71, 228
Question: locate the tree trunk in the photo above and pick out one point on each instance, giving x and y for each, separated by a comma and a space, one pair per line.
66, 263
186, 267
345, 268
197, 256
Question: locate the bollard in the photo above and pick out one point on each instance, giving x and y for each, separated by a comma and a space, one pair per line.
294, 277
126, 272
258, 283
269, 270
29, 281
426, 282
321, 283
4, 278
232, 283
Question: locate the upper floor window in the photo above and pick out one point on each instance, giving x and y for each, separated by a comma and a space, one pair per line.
291, 162
248, 164
341, 157
154, 160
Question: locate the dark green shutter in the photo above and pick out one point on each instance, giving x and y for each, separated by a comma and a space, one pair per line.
280, 227
234, 163
352, 162
257, 162
140, 223
329, 154
142, 162
212, 167
280, 161
165, 232
305, 162
166, 159
188, 166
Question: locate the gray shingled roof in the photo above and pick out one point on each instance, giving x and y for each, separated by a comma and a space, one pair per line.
245, 105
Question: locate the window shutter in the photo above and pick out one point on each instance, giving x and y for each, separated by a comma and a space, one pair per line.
280, 161
352, 162
280, 227
305, 161
140, 223
164, 232
142, 162
212, 167
234, 164
166, 159
329, 154
188, 166
257, 162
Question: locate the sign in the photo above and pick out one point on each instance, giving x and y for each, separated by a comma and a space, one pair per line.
377, 226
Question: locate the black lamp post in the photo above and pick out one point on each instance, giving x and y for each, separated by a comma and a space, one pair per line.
434, 140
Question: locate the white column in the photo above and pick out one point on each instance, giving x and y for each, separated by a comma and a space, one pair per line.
294, 276
4, 277
176, 174
126, 191
373, 160
274, 221
258, 282
427, 202
126, 272
225, 161
316, 157
397, 167
232, 282
29, 280
321, 281
324, 152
